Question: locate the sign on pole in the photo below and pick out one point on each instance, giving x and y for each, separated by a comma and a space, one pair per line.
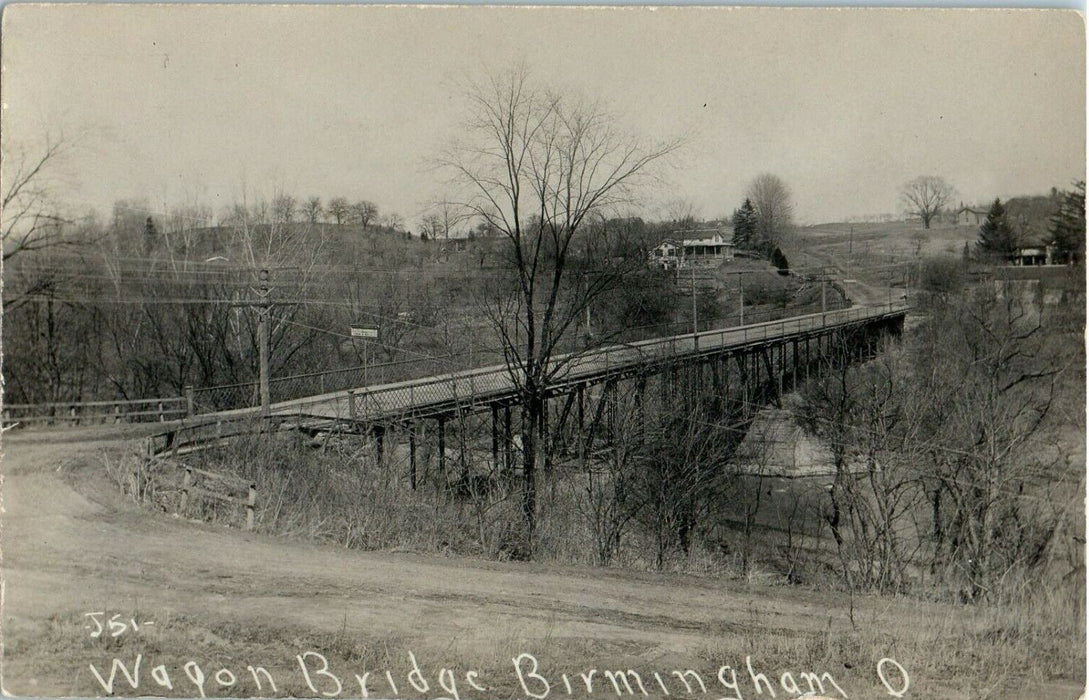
361, 332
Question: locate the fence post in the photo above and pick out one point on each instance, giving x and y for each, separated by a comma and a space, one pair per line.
351, 404
72, 415
116, 413
187, 481
162, 419
251, 501
189, 399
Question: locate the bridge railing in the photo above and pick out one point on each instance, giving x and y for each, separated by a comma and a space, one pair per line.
485, 384
709, 341
98, 412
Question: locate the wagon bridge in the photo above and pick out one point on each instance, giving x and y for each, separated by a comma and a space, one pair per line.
753, 364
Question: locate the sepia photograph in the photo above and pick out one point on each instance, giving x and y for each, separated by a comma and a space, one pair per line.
542, 353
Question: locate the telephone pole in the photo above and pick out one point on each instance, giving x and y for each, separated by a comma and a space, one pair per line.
741, 288
264, 306
695, 317
262, 340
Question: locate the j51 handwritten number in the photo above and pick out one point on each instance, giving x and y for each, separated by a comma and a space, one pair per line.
113, 627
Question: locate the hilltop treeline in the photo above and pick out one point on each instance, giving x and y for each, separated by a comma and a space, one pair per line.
148, 305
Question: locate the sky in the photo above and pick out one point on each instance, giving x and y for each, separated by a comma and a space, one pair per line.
176, 104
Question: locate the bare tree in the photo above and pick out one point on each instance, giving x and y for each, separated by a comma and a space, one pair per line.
678, 480
366, 212
284, 207
925, 196
609, 505
535, 165
394, 221
450, 215
774, 209
992, 374
338, 209
431, 226
682, 213
31, 220
313, 210
869, 415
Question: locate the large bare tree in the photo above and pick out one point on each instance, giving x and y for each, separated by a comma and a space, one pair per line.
31, 220
774, 208
535, 164
926, 196
450, 215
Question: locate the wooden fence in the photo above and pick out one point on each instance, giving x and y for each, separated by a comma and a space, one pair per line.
201, 483
99, 412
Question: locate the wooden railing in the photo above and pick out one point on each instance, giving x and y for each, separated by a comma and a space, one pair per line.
201, 483
98, 412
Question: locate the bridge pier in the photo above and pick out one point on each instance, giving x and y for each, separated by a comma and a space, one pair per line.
508, 447
747, 377
379, 432
717, 385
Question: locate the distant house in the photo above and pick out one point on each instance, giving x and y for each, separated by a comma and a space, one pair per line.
1035, 251
969, 216
667, 254
710, 249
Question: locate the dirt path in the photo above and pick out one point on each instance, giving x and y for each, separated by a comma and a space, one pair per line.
71, 546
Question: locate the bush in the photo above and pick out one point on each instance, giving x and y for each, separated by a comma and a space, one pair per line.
942, 276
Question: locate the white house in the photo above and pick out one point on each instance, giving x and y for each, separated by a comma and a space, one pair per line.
710, 249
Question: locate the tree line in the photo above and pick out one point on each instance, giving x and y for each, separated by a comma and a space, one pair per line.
1000, 238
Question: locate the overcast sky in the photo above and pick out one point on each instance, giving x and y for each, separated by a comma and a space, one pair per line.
177, 103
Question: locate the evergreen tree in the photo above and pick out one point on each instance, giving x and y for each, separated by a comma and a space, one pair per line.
997, 239
779, 260
151, 236
1067, 227
744, 224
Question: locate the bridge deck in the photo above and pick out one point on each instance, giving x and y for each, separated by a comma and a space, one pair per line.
434, 396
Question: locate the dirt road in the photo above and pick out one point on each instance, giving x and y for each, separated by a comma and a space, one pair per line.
223, 598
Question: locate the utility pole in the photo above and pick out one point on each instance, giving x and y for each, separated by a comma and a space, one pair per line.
741, 288
851, 241
823, 305
695, 318
262, 341
264, 306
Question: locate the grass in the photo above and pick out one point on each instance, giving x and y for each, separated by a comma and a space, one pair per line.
948, 651
986, 651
